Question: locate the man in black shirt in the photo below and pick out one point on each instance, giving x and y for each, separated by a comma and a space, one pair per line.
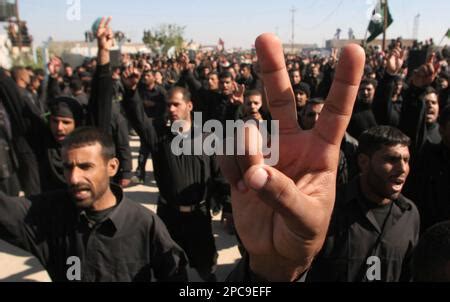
371, 218
428, 185
187, 183
91, 221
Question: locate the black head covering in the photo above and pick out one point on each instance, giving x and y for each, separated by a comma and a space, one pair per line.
67, 107
303, 87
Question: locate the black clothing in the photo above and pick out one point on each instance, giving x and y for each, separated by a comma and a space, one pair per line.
355, 235
433, 135
214, 105
197, 240
119, 129
157, 95
429, 184
349, 146
48, 150
20, 117
413, 120
184, 181
9, 182
251, 83
53, 229
362, 119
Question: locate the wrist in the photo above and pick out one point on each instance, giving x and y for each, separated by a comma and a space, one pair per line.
273, 270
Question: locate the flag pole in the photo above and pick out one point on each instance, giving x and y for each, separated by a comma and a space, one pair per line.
446, 35
384, 24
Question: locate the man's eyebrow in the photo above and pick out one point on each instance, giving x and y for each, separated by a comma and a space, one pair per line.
83, 164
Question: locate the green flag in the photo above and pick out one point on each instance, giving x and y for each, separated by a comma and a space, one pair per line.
377, 22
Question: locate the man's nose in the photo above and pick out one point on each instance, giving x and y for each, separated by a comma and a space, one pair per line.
60, 126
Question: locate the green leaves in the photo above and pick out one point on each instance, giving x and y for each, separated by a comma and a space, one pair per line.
165, 37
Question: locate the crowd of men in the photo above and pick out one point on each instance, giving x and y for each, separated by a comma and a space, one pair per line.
64, 143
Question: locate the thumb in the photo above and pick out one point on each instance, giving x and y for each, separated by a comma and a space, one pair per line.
304, 217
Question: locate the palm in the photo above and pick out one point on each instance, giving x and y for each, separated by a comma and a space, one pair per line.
105, 36
427, 73
261, 228
283, 215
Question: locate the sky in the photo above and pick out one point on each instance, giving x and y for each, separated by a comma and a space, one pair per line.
237, 22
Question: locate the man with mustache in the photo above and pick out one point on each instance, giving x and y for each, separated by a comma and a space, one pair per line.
91, 221
371, 217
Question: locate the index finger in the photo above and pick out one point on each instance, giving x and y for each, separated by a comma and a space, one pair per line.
108, 21
335, 116
276, 81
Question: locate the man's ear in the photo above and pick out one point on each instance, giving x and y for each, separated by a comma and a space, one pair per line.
363, 163
113, 167
190, 105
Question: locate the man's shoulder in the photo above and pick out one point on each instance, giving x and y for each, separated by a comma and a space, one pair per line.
138, 212
407, 205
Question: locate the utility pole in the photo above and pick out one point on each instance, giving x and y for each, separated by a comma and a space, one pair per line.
293, 11
416, 27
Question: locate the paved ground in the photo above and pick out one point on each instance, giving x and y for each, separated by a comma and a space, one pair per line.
19, 266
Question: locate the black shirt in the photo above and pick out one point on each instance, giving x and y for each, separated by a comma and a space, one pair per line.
182, 180
156, 95
355, 235
380, 212
131, 244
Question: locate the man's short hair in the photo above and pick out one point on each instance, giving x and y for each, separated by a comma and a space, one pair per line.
245, 65
431, 257
89, 136
428, 91
76, 84
304, 87
253, 92
366, 82
213, 73
376, 138
444, 117
225, 75
184, 92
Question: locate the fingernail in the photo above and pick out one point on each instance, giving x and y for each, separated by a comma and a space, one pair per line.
242, 187
258, 179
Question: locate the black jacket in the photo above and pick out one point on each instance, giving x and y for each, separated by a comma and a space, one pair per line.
429, 184
21, 119
119, 128
354, 236
50, 227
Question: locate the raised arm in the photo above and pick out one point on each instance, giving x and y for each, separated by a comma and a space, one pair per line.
100, 103
412, 120
134, 108
382, 104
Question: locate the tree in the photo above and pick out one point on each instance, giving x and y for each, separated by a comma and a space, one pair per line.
164, 37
